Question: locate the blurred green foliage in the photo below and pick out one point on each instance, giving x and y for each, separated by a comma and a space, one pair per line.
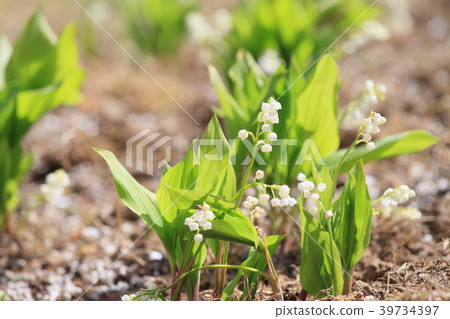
309, 112
156, 26
300, 28
39, 74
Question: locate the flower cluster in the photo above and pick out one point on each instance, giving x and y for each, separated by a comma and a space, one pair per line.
312, 192
308, 188
285, 198
251, 203
268, 116
209, 34
371, 127
371, 94
270, 111
55, 187
200, 220
371, 30
259, 174
409, 212
204, 32
269, 61
398, 195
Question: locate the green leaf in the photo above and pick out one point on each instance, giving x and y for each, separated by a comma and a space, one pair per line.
135, 196
213, 156
68, 71
403, 143
230, 223
32, 64
353, 217
226, 183
39, 74
204, 171
317, 108
256, 259
320, 266
233, 114
183, 175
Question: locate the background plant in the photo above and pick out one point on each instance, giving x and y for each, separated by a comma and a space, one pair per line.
156, 26
300, 28
39, 74
310, 111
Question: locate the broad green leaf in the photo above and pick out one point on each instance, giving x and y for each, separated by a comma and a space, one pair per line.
353, 217
32, 64
226, 183
317, 108
320, 266
183, 175
403, 143
230, 223
213, 156
68, 71
135, 196
230, 109
39, 74
257, 260
67, 51
203, 171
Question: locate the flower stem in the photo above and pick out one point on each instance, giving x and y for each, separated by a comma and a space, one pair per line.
274, 281
219, 277
330, 232
250, 166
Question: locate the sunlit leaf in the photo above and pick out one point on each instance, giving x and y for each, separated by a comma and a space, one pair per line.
403, 143
230, 223
320, 266
353, 217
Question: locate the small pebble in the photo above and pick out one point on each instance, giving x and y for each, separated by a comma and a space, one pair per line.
155, 255
427, 239
92, 232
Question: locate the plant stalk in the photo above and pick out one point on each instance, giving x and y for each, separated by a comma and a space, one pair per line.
274, 282
348, 274
221, 273
244, 268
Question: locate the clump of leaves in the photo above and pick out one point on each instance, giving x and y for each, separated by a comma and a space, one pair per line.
203, 181
310, 113
39, 74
